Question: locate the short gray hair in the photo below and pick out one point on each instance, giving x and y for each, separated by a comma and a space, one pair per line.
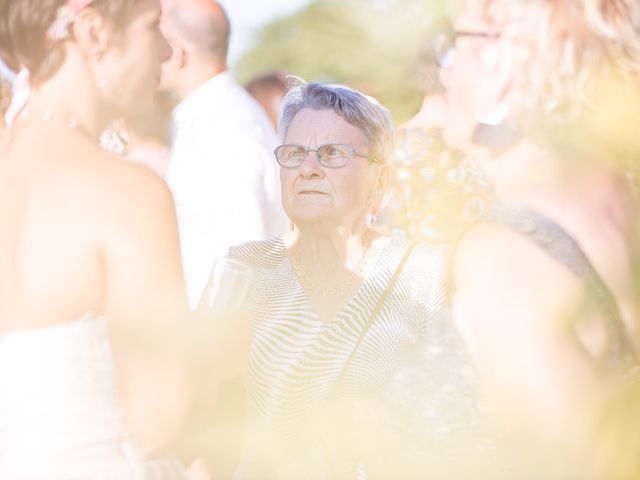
357, 109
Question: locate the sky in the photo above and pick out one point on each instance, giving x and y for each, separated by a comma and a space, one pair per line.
246, 17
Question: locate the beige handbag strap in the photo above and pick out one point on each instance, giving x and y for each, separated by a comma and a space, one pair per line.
374, 313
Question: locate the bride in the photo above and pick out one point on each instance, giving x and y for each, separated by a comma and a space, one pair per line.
92, 300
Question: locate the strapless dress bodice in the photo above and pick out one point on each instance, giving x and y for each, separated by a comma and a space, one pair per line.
60, 416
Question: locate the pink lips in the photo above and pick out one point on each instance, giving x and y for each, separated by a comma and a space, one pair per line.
311, 192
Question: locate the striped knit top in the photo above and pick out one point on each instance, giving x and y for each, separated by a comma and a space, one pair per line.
296, 357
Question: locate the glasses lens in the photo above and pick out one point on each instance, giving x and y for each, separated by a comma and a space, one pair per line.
290, 156
335, 155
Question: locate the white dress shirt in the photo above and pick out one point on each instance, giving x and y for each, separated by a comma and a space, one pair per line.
223, 175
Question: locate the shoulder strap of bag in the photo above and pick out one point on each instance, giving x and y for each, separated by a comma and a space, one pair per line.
374, 313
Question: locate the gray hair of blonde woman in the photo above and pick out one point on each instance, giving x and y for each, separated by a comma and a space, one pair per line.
357, 109
572, 55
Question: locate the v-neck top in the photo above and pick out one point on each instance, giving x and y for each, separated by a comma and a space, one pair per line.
296, 357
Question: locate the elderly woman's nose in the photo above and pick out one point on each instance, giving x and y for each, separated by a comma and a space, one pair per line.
311, 165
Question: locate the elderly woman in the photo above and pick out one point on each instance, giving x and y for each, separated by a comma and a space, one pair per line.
543, 94
333, 303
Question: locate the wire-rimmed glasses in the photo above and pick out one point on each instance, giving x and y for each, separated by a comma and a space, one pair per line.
332, 155
444, 43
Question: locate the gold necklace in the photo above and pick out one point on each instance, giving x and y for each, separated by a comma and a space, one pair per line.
342, 286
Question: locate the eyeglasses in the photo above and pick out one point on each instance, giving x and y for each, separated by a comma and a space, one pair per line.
444, 44
333, 155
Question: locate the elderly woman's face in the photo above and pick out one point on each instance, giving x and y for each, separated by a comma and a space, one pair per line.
470, 78
312, 193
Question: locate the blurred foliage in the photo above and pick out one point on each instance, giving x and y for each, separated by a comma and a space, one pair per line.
370, 45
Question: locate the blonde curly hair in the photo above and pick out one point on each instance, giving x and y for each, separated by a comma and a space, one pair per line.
574, 56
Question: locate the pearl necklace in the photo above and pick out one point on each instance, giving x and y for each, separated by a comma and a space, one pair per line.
342, 286
47, 116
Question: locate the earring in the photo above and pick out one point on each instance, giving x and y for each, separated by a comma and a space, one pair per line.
495, 130
97, 57
493, 117
370, 219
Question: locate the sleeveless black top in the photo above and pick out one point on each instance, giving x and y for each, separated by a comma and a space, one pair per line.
557, 242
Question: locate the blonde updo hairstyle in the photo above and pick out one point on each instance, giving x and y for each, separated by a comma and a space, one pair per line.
23, 33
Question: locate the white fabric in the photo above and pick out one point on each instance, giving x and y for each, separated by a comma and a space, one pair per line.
154, 157
21, 95
223, 176
59, 411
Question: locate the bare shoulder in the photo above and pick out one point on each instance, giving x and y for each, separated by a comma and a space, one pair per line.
485, 243
112, 197
506, 283
492, 256
123, 187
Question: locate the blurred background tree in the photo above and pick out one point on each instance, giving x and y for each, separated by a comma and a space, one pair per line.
371, 45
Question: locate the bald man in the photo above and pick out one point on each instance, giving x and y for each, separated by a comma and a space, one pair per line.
222, 172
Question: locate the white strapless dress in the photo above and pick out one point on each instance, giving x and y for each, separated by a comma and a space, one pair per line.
60, 417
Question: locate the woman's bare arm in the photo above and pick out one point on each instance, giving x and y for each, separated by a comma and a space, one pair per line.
146, 305
512, 305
